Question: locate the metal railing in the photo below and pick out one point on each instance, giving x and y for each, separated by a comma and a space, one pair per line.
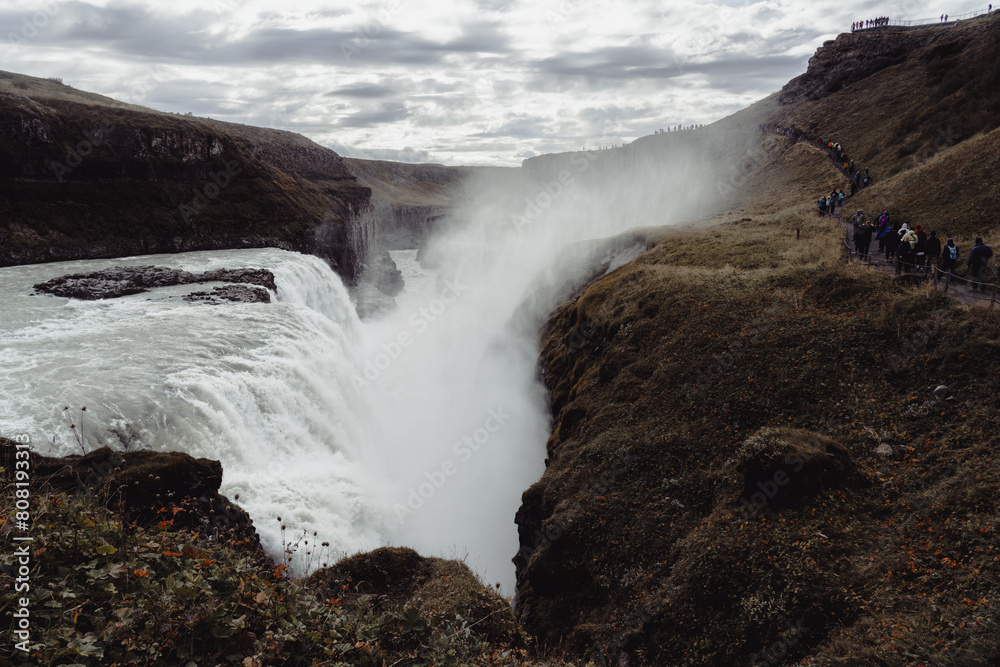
922, 23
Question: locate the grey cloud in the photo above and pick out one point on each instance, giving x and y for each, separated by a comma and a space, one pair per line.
387, 112
406, 154
518, 127
481, 37
363, 91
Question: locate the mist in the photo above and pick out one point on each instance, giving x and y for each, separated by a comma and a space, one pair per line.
461, 416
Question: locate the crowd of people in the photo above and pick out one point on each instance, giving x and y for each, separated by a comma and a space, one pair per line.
915, 250
830, 203
870, 23
910, 249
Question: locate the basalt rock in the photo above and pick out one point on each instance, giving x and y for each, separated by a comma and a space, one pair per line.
233, 293
122, 280
84, 176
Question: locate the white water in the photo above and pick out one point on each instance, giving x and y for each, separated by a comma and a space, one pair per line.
265, 388
421, 428
283, 394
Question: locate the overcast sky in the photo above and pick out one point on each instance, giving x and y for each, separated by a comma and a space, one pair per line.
450, 81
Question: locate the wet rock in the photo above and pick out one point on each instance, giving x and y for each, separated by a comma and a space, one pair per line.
119, 281
388, 278
234, 293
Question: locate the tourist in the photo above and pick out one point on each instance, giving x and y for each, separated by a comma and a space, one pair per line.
883, 227
933, 250
979, 258
950, 258
857, 224
891, 241
866, 239
906, 250
920, 249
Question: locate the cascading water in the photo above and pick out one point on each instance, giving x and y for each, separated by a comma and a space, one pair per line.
265, 388
420, 428
406, 430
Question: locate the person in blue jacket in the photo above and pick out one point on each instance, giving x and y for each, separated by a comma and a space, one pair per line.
949, 257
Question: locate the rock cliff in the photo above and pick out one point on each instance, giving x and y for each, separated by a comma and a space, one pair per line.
85, 176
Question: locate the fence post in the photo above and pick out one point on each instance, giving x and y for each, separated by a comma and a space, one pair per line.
796, 233
993, 297
947, 283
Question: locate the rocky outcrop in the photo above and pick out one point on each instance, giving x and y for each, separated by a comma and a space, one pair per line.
853, 57
396, 579
84, 177
122, 280
233, 293
144, 486
406, 198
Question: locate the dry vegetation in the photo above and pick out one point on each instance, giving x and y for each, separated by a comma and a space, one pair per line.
925, 127
694, 349
739, 364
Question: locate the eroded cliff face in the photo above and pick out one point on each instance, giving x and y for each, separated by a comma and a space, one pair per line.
82, 176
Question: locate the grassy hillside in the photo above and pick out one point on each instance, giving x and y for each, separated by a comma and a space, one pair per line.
925, 124
751, 458
725, 365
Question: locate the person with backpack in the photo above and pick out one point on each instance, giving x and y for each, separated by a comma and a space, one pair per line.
906, 251
822, 206
932, 249
950, 258
883, 226
979, 258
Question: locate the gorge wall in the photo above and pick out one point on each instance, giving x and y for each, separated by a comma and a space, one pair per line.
84, 176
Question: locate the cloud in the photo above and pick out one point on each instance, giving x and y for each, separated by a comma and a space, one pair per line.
480, 80
407, 154
388, 112
363, 91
